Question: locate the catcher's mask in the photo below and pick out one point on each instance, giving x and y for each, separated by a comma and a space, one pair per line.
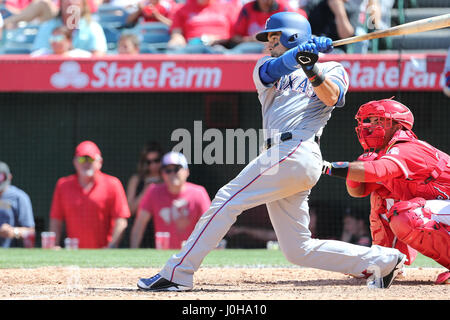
371, 136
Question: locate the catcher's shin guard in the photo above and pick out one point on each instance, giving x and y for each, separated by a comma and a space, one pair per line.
380, 230
411, 223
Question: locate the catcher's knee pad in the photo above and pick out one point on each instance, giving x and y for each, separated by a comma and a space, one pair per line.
412, 224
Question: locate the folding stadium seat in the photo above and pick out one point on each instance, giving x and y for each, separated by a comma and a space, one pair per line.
20, 40
4, 11
153, 36
112, 37
111, 16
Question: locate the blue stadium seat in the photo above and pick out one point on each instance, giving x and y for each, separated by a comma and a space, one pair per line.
19, 40
152, 36
112, 37
4, 11
111, 16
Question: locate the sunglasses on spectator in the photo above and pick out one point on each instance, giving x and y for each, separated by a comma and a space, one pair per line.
57, 38
172, 170
150, 161
85, 159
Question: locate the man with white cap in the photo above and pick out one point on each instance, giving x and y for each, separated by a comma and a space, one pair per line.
16, 212
92, 204
175, 205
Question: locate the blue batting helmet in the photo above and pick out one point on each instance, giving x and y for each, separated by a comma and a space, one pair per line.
295, 29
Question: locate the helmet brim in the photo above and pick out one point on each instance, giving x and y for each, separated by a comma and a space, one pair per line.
263, 36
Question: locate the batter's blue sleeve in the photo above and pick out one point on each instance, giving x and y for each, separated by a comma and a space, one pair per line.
274, 69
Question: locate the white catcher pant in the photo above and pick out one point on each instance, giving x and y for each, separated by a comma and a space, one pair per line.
283, 183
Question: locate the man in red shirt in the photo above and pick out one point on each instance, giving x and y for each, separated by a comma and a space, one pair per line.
200, 24
408, 180
175, 205
252, 19
92, 204
154, 11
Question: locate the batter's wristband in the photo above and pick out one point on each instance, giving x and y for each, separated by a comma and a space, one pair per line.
339, 169
314, 75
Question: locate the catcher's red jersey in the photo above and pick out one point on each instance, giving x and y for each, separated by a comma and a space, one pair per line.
426, 171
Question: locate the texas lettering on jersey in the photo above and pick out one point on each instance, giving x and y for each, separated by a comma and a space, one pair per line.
295, 82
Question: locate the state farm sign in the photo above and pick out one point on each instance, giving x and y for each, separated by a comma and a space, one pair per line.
389, 75
203, 73
110, 75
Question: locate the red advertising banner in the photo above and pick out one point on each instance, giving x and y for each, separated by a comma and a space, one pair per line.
206, 73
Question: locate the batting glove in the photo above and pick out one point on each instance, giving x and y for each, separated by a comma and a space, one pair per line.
337, 169
323, 44
326, 168
307, 55
309, 46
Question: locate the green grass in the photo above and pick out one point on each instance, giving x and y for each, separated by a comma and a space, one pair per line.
141, 258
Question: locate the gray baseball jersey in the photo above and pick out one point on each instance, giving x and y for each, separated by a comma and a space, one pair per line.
283, 184
291, 104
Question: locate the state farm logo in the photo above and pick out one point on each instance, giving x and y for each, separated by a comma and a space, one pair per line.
111, 75
69, 75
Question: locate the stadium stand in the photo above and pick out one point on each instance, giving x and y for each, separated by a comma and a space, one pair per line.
19, 40
407, 11
153, 36
111, 16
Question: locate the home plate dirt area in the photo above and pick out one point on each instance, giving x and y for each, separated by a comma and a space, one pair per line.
74, 283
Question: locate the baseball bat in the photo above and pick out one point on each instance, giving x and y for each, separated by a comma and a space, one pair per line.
433, 23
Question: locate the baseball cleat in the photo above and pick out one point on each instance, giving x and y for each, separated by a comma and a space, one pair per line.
443, 278
158, 283
386, 281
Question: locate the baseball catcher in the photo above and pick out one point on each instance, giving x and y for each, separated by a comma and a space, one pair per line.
408, 181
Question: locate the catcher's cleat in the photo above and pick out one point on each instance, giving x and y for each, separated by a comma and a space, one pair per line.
158, 283
443, 278
387, 280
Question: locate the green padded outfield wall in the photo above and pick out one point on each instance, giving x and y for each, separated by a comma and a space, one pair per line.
38, 133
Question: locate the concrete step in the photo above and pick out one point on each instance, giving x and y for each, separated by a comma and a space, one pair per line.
436, 39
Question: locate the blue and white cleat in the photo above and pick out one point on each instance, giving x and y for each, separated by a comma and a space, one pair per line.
158, 283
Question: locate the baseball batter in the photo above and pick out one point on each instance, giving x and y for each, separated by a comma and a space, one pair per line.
297, 97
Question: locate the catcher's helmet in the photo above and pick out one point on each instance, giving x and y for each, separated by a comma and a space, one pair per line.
295, 29
371, 136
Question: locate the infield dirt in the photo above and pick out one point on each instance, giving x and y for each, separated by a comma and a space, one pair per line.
73, 283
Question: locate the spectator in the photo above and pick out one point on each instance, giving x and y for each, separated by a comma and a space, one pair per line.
202, 26
61, 44
153, 11
128, 44
15, 6
355, 229
176, 205
92, 204
336, 19
38, 10
86, 33
16, 212
148, 173
252, 19
1, 26
129, 5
